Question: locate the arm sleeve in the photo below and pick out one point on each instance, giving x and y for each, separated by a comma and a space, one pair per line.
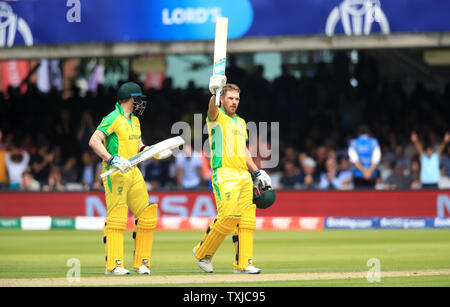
376, 155
353, 155
26, 158
323, 183
107, 125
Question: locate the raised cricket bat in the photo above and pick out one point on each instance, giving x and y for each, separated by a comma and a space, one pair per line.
149, 153
220, 50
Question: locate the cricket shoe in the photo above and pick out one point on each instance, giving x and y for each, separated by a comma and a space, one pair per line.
117, 271
204, 264
143, 270
248, 270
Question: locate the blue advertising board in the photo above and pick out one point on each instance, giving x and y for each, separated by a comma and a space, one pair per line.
36, 22
385, 223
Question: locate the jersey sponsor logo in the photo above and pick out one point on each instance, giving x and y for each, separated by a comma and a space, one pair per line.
237, 132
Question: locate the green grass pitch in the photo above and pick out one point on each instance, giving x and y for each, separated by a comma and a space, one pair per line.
44, 254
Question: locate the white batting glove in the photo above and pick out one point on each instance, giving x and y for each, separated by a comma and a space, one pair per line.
217, 82
121, 163
263, 178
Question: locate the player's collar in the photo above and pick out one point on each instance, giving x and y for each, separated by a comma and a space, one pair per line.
120, 109
233, 116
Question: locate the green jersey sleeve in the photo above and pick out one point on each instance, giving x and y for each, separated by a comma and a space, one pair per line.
107, 125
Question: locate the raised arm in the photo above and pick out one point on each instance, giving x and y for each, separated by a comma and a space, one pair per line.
444, 143
416, 142
213, 109
216, 83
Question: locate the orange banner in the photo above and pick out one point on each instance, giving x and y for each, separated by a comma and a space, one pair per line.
13, 73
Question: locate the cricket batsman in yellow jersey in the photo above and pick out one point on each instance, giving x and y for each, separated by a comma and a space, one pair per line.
232, 182
118, 138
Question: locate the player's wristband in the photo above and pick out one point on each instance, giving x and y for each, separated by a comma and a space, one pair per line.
110, 160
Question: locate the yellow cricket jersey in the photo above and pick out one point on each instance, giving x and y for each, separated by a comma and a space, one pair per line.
227, 138
122, 134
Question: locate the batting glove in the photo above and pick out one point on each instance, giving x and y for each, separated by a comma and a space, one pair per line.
216, 83
121, 163
263, 178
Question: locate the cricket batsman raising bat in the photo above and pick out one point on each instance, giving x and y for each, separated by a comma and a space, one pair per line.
116, 140
232, 182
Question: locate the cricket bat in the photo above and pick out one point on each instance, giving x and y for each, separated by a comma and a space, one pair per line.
220, 50
149, 153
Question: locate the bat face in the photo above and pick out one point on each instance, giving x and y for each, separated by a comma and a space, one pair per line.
162, 149
220, 46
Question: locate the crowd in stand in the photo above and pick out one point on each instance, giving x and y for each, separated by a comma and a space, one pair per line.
44, 138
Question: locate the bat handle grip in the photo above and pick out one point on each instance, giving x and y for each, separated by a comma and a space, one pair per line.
218, 98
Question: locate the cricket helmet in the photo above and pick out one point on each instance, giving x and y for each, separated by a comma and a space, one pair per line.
133, 90
264, 199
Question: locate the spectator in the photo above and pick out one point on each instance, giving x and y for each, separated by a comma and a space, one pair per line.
87, 170
206, 171
41, 163
346, 173
333, 178
28, 145
301, 158
188, 165
400, 158
321, 154
429, 161
309, 177
98, 182
289, 155
414, 171
156, 173
398, 180
365, 155
69, 170
446, 163
16, 162
55, 182
85, 130
28, 182
289, 178
4, 182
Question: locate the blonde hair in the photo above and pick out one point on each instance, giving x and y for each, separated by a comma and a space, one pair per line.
230, 87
